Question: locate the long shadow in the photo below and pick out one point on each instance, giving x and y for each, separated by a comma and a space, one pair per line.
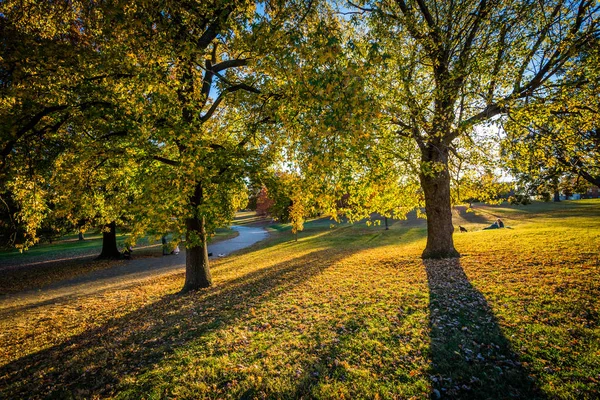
32, 276
473, 217
470, 356
328, 366
93, 363
330, 369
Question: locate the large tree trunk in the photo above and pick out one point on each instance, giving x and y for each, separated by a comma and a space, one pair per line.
109, 243
197, 271
436, 187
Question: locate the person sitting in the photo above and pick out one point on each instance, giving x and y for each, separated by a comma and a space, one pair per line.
127, 252
496, 225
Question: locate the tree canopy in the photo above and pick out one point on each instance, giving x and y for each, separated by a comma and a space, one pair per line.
155, 115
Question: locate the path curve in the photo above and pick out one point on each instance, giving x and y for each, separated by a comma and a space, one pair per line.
131, 271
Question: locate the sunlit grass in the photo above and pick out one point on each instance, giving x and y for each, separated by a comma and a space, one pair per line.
350, 312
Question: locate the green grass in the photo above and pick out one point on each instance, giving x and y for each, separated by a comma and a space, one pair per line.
70, 246
350, 312
51, 250
68, 258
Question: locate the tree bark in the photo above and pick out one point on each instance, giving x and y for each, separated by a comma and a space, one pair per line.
81, 236
197, 270
436, 187
110, 250
556, 196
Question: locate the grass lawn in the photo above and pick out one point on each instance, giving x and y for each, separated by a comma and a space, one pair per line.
68, 258
346, 312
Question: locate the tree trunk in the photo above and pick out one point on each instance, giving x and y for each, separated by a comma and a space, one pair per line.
556, 196
109, 243
197, 271
436, 187
81, 236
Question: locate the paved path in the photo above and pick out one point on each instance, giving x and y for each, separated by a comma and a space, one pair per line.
131, 271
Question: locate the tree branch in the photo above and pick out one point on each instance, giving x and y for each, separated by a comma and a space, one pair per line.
111, 134
490, 111
577, 168
214, 29
166, 161
536, 46
229, 64
557, 58
465, 54
231, 89
428, 18
8, 146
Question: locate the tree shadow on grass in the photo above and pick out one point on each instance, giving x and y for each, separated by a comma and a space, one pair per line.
359, 363
93, 363
470, 356
473, 217
375, 349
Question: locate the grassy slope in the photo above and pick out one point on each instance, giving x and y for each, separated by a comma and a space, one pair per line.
347, 312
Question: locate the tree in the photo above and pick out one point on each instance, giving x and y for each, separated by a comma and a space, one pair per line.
58, 72
220, 119
263, 202
336, 148
559, 134
203, 123
190, 111
446, 67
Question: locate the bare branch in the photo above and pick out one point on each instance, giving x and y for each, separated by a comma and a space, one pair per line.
497, 63
207, 81
558, 57
363, 9
427, 16
214, 29
465, 54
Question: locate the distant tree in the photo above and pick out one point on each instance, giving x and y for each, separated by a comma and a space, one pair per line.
59, 69
254, 192
263, 202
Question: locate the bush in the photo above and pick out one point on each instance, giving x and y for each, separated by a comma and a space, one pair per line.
545, 196
519, 199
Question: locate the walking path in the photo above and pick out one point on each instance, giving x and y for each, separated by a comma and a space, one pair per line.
123, 275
